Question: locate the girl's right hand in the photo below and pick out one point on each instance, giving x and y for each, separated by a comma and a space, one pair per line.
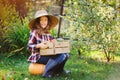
42, 45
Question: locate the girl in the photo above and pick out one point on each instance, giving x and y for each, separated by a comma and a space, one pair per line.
39, 35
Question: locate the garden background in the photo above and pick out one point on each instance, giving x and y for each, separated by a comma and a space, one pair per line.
92, 26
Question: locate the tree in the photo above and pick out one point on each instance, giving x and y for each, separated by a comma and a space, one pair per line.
94, 25
20, 7
8, 17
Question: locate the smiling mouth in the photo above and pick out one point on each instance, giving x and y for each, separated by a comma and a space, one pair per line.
43, 24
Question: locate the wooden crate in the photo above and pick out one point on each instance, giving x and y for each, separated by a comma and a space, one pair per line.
62, 50
47, 52
58, 47
62, 47
62, 44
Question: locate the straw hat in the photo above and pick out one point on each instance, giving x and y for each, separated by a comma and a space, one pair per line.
40, 13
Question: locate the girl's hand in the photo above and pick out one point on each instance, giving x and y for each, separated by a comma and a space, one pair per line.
54, 40
42, 45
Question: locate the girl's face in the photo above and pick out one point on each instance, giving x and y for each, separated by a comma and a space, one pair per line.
43, 21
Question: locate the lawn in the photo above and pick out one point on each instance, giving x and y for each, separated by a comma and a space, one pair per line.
82, 68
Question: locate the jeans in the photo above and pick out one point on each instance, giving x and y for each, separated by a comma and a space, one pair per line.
60, 59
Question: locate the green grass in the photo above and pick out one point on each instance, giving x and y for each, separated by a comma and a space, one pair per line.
16, 68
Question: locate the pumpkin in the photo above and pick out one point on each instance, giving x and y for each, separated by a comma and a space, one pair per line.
36, 69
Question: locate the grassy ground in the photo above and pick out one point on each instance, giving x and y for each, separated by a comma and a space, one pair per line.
16, 68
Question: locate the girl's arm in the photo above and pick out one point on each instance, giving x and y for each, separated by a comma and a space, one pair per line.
32, 43
42, 45
33, 46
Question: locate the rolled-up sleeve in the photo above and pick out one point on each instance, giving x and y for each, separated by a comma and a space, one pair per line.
32, 43
32, 47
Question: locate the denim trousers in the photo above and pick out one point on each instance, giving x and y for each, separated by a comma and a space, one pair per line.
60, 59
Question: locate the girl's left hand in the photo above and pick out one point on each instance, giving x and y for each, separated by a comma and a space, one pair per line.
54, 40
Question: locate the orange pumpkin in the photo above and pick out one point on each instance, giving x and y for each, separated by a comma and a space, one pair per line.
36, 69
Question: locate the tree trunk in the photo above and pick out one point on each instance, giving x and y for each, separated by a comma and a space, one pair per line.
79, 52
107, 54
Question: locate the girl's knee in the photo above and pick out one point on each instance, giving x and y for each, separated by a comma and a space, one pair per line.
62, 57
66, 56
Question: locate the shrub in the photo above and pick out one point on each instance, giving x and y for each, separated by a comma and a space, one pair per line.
17, 39
8, 18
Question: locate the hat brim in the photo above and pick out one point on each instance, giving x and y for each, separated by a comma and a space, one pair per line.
53, 20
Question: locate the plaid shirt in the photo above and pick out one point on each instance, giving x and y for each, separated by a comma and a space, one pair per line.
34, 39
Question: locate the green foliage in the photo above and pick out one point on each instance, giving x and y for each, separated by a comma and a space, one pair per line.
18, 38
93, 25
53, 32
8, 17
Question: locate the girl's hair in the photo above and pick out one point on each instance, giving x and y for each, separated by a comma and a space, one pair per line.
41, 30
